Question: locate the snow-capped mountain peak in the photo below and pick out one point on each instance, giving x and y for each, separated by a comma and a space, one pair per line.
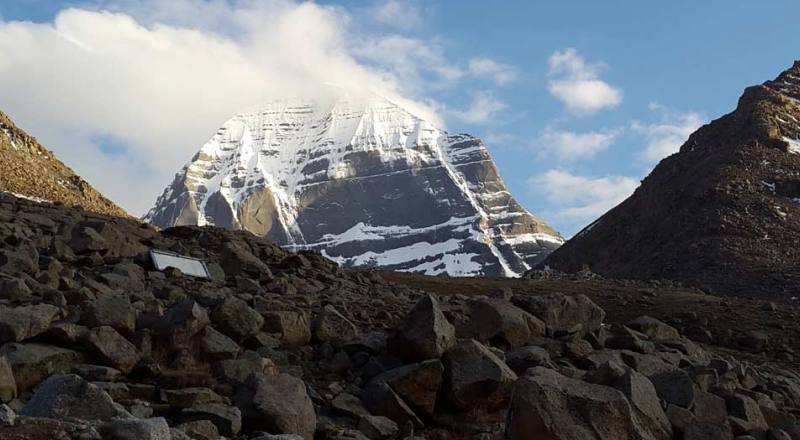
364, 181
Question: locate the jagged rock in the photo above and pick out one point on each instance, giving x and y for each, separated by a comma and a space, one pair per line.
23, 259
33, 363
707, 431
475, 377
501, 323
643, 396
546, 404
136, 429
227, 419
200, 430
277, 403
709, 408
236, 371
377, 427
14, 289
564, 314
654, 328
236, 319
216, 345
189, 397
675, 387
113, 310
349, 404
69, 396
97, 373
8, 386
294, 327
417, 384
236, 258
20, 323
181, 322
381, 400
523, 358
330, 325
424, 333
746, 409
7, 415
113, 349
67, 334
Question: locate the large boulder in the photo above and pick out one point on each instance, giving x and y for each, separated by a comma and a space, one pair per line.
70, 396
564, 314
381, 400
647, 407
181, 322
236, 319
425, 333
113, 310
501, 323
294, 327
331, 326
216, 345
33, 363
227, 419
155, 428
675, 387
548, 405
20, 323
237, 258
654, 328
8, 385
114, 350
277, 404
418, 384
476, 378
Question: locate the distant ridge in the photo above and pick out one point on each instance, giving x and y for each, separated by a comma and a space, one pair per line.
28, 169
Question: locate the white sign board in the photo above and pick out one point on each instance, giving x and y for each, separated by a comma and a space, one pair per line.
188, 265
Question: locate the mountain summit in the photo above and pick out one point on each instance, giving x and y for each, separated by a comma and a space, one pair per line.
365, 182
27, 169
722, 213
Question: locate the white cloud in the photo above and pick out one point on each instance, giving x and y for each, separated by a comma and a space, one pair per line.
666, 137
400, 14
576, 83
568, 145
501, 74
482, 107
159, 76
581, 199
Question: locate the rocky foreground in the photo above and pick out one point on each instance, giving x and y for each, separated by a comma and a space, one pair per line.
97, 344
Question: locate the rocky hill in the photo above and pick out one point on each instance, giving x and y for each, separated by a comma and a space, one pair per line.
28, 169
723, 213
96, 343
364, 181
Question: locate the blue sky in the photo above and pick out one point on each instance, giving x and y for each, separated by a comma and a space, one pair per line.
576, 100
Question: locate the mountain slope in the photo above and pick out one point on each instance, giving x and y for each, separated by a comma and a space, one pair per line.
365, 182
28, 169
722, 213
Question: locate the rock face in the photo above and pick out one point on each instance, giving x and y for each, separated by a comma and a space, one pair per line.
723, 213
30, 170
364, 181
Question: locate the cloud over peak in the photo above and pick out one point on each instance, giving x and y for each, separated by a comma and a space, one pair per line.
577, 84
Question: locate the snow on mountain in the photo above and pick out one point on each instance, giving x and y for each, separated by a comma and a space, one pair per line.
365, 182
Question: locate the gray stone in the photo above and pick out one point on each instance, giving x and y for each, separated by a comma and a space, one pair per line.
236, 371
424, 333
227, 419
294, 327
523, 358
20, 323
189, 397
548, 405
417, 384
7, 415
8, 386
377, 427
200, 430
33, 363
113, 349
278, 404
381, 400
709, 408
181, 322
332, 326
564, 314
136, 429
501, 323
643, 396
675, 387
216, 345
236, 319
476, 377
113, 310
746, 409
654, 328
69, 396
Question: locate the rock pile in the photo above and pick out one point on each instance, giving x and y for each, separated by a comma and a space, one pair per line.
97, 344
